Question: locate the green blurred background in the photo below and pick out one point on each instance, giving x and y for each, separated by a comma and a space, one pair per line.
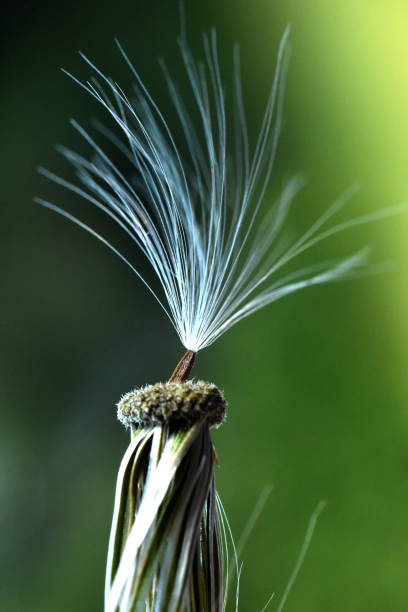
317, 383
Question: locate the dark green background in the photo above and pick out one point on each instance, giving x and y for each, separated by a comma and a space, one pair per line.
317, 383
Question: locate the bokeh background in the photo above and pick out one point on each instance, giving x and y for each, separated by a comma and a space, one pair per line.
317, 383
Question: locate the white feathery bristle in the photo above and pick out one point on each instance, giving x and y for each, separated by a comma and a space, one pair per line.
194, 208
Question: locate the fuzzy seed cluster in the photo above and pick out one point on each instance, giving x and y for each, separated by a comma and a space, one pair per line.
182, 403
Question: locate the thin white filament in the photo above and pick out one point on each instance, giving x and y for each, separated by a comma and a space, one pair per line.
194, 207
305, 546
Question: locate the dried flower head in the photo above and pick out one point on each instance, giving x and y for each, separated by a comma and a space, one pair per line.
193, 207
182, 403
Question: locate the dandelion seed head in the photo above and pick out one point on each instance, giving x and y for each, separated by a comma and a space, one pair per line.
192, 206
173, 403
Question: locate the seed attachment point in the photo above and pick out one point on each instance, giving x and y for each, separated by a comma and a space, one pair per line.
181, 403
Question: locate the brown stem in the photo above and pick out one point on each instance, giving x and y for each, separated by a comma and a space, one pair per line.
184, 367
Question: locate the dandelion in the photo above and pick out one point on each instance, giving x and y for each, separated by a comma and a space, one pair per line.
193, 206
